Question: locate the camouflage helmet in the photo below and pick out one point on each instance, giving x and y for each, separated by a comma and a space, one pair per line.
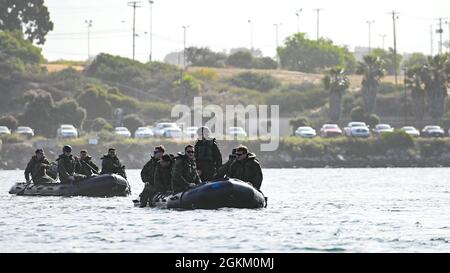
67, 148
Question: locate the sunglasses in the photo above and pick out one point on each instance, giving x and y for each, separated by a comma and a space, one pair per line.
190, 152
155, 152
239, 154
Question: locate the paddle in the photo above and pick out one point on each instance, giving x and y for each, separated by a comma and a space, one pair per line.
24, 188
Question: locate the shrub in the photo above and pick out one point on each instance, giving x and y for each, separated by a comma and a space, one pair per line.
100, 124
257, 81
9, 121
357, 114
132, 122
397, 140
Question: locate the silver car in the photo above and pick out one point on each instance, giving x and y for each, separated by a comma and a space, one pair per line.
4, 130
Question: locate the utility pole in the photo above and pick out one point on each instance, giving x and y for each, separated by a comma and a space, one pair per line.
394, 17
134, 5
251, 36
276, 36
297, 13
318, 20
184, 45
440, 31
405, 104
151, 31
370, 33
448, 42
383, 36
431, 40
89, 25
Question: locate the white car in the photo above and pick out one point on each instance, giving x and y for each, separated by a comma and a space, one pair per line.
143, 132
411, 131
161, 127
26, 131
191, 132
173, 132
382, 128
360, 131
236, 132
4, 130
433, 131
66, 131
348, 129
305, 131
122, 131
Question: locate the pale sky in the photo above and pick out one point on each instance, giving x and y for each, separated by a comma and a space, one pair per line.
222, 25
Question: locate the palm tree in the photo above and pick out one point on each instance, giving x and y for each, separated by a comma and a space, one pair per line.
435, 76
414, 83
372, 71
336, 81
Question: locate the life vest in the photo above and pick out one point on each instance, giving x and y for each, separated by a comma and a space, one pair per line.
204, 150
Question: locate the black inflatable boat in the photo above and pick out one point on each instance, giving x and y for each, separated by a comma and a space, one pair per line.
105, 185
224, 193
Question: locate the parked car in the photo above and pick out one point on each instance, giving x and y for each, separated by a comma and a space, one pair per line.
432, 131
330, 130
173, 132
26, 131
305, 131
236, 132
143, 132
161, 127
67, 131
191, 132
359, 131
122, 131
4, 130
410, 131
382, 128
348, 130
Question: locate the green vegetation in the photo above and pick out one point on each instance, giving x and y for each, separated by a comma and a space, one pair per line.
302, 54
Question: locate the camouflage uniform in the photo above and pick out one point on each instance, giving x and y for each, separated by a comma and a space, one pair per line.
66, 168
86, 166
208, 158
184, 172
37, 168
112, 165
247, 170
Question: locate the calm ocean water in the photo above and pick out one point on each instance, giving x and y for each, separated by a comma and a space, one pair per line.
309, 210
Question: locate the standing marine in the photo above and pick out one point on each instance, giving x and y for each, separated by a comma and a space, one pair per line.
37, 167
111, 164
207, 155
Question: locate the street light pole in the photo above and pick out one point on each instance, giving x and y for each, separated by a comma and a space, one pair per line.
184, 45
383, 36
370, 33
276, 37
297, 13
89, 25
251, 36
151, 31
318, 20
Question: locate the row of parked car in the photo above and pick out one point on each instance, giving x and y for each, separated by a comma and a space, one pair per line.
22, 130
361, 129
162, 129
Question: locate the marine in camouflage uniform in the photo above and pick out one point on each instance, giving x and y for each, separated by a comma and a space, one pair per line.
207, 155
111, 164
184, 171
85, 165
66, 167
148, 176
37, 167
246, 168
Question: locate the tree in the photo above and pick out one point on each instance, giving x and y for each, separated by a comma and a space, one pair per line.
38, 113
435, 77
299, 122
204, 57
302, 54
387, 57
372, 71
242, 59
414, 83
9, 121
30, 16
416, 59
336, 81
68, 111
132, 122
95, 102
99, 124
